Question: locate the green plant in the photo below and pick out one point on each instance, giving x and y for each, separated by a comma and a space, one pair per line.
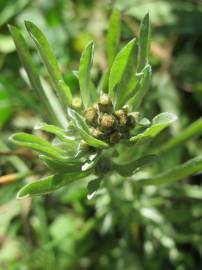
102, 133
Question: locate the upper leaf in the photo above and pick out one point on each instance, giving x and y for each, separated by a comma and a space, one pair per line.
144, 43
84, 73
118, 66
141, 89
113, 36
159, 122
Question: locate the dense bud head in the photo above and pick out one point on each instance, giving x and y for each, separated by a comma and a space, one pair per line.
107, 122
91, 115
76, 103
115, 137
105, 104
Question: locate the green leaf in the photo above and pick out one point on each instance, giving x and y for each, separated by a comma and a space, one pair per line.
84, 73
119, 65
83, 130
57, 166
144, 43
128, 84
33, 75
177, 173
93, 186
192, 131
50, 62
159, 122
59, 132
38, 144
141, 90
128, 168
65, 93
49, 184
113, 35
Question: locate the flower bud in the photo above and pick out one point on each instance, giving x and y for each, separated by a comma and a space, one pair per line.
132, 119
122, 117
91, 115
105, 104
76, 103
107, 122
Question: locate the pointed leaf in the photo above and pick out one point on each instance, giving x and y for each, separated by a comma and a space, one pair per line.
49, 184
57, 166
144, 43
38, 144
129, 80
177, 173
32, 73
119, 65
113, 35
143, 87
59, 132
50, 62
159, 123
84, 73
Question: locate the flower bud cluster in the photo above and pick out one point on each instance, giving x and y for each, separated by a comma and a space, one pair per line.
107, 124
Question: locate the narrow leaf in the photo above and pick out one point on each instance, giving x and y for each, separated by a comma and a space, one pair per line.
118, 66
62, 166
159, 123
38, 144
143, 86
144, 43
59, 132
113, 36
177, 173
84, 73
32, 73
50, 62
49, 184
192, 131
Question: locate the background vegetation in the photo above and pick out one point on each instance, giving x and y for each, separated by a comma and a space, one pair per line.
154, 228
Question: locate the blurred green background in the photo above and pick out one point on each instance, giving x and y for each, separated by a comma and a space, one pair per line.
155, 229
